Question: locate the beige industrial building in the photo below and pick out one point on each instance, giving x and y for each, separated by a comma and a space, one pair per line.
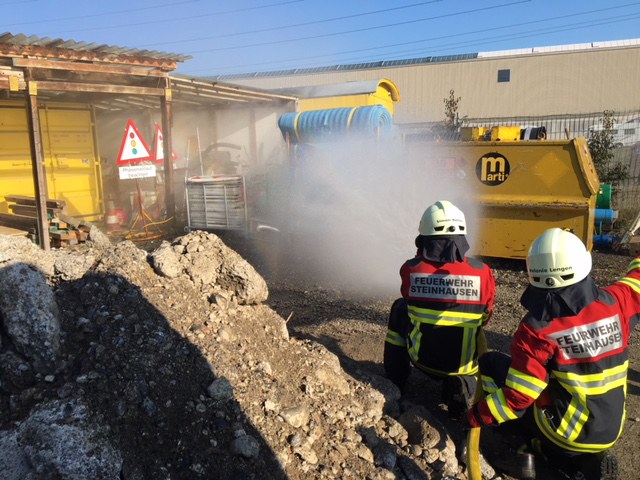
567, 87
231, 127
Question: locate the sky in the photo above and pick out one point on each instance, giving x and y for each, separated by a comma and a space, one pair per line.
246, 36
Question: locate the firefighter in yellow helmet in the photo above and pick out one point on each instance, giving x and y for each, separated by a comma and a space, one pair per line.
565, 380
446, 299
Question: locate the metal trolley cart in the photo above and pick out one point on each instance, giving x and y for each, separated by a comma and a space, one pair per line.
216, 203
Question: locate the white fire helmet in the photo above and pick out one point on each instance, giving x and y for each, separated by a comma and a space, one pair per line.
442, 218
557, 258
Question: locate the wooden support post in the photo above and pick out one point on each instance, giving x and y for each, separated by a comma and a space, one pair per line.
253, 138
37, 163
169, 177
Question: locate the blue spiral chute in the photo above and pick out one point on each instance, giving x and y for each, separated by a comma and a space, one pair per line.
324, 125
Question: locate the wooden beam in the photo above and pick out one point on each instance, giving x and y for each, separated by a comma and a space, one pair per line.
12, 83
25, 200
86, 67
169, 176
19, 221
212, 96
231, 90
31, 211
37, 164
216, 93
253, 137
96, 88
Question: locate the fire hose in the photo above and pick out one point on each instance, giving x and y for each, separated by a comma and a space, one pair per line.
473, 436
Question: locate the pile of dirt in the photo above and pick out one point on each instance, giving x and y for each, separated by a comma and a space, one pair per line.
123, 363
186, 361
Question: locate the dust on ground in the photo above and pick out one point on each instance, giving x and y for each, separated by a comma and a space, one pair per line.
187, 383
354, 329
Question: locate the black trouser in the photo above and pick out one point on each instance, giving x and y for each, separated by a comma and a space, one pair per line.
496, 365
397, 363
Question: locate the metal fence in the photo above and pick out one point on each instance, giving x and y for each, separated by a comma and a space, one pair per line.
626, 137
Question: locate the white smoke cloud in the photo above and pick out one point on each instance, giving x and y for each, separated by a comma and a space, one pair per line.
349, 210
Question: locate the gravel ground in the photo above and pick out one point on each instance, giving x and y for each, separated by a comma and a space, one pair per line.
354, 329
185, 385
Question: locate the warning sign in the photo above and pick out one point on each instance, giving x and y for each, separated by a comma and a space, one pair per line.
133, 149
159, 147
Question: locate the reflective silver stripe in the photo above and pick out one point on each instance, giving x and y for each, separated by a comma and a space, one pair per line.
468, 351
467, 363
499, 408
573, 420
415, 336
435, 317
594, 384
547, 429
632, 282
395, 338
635, 263
591, 384
526, 384
488, 384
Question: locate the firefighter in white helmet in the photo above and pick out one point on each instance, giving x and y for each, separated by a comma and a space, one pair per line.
565, 380
446, 299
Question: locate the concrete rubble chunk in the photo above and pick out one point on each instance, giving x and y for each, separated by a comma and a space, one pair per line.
30, 315
60, 441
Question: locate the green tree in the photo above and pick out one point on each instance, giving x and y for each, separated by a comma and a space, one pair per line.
601, 144
451, 111
448, 128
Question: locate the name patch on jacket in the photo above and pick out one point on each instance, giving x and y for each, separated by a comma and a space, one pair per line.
590, 340
445, 287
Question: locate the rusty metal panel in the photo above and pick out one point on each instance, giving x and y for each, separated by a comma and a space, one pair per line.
43, 45
72, 164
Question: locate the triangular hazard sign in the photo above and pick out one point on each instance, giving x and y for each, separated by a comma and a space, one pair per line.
133, 149
159, 147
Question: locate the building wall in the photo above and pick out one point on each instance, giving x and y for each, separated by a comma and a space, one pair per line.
572, 82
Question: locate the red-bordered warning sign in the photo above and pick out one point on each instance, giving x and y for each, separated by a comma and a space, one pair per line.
159, 147
133, 149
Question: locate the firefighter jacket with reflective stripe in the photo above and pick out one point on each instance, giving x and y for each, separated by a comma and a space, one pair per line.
447, 305
572, 371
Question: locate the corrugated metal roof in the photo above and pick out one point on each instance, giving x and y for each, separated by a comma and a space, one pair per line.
202, 91
351, 66
22, 40
561, 48
426, 60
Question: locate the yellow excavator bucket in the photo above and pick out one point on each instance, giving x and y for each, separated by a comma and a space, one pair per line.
520, 189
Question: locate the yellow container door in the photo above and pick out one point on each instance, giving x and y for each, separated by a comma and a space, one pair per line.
16, 177
72, 165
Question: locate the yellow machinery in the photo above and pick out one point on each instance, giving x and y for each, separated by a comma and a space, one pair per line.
520, 188
515, 184
347, 95
72, 163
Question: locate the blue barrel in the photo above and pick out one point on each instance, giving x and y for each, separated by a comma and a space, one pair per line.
606, 215
603, 241
325, 125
